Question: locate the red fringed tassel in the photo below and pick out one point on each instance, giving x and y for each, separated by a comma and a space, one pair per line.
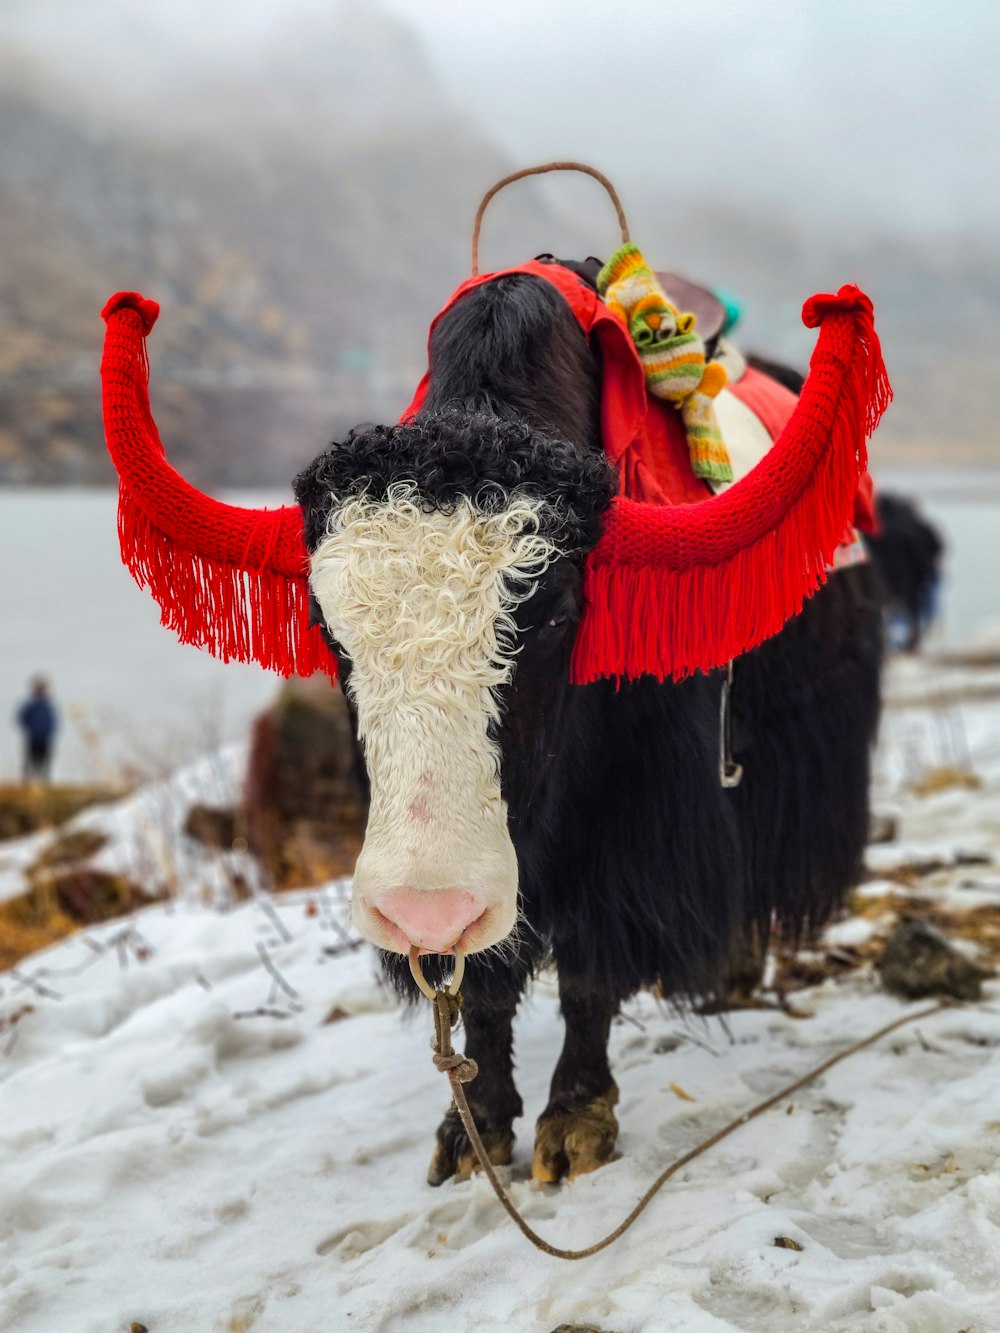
236, 614
671, 591
228, 579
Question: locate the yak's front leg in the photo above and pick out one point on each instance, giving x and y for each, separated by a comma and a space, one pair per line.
578, 1129
487, 1038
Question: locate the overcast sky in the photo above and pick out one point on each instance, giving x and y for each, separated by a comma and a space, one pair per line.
866, 111
890, 105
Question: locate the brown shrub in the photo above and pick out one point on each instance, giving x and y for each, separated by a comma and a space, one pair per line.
305, 800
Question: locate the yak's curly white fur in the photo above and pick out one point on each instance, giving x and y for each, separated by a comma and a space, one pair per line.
425, 600
422, 602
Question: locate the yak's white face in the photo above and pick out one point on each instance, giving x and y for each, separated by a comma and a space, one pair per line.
422, 603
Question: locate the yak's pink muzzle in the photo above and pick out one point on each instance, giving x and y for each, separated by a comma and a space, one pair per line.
434, 919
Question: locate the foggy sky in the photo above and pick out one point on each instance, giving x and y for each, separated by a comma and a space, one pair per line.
866, 114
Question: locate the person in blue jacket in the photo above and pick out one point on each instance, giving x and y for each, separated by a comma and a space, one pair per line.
38, 720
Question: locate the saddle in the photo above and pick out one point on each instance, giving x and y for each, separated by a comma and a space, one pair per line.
753, 409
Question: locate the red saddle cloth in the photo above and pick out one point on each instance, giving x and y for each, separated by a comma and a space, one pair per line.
644, 436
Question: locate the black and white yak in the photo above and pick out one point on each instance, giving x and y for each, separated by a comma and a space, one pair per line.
514, 814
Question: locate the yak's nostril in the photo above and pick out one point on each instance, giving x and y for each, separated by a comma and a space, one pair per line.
432, 919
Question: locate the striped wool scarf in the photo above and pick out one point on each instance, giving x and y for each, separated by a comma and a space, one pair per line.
672, 355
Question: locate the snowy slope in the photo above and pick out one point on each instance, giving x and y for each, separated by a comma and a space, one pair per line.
144, 832
185, 1143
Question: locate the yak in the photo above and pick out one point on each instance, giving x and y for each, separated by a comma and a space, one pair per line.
531, 659
526, 819
907, 552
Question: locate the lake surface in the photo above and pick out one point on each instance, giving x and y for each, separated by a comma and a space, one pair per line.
128, 691
130, 694
965, 507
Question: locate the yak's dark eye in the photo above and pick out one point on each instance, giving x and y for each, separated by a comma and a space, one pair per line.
563, 610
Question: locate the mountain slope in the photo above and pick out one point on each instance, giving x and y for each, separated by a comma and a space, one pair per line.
293, 268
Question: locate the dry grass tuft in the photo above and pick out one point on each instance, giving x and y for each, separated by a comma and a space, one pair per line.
58, 902
25, 810
68, 848
943, 778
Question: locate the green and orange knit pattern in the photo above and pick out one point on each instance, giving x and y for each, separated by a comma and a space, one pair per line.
672, 355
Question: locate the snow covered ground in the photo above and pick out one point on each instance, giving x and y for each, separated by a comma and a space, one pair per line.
144, 833
187, 1143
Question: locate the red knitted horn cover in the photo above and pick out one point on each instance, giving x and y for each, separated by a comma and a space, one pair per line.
669, 590
673, 590
228, 579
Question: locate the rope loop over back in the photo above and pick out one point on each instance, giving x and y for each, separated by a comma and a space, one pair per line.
541, 171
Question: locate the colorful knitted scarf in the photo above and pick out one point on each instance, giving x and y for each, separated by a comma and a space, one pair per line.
672, 355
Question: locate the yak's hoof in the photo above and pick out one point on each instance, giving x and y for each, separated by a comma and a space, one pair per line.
453, 1152
574, 1137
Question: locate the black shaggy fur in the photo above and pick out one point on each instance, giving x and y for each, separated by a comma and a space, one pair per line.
787, 375
805, 712
513, 348
463, 455
636, 867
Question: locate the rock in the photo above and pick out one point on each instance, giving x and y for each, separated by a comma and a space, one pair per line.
213, 826
79, 892
580, 1328
919, 961
89, 895
882, 828
973, 858
61, 883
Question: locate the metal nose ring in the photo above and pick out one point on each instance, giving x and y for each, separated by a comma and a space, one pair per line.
418, 974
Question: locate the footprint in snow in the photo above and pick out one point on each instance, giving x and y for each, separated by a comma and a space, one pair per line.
358, 1238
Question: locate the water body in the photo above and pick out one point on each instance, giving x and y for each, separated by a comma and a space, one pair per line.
965, 507
131, 695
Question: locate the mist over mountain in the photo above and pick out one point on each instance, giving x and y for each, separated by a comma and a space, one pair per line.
299, 241
297, 192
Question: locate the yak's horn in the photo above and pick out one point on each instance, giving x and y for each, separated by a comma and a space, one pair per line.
672, 590
228, 579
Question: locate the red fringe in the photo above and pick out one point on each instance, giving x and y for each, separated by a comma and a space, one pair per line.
688, 588
669, 590
228, 579
236, 614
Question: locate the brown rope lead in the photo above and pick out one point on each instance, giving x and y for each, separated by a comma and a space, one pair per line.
461, 1070
541, 171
